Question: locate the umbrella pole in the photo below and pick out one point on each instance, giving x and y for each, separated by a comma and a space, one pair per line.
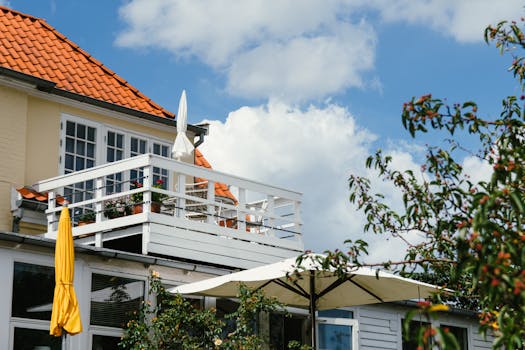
312, 310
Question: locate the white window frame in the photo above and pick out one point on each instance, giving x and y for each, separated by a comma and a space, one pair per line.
350, 322
21, 322
106, 330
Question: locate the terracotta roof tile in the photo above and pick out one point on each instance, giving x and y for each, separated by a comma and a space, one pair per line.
221, 190
31, 194
24, 38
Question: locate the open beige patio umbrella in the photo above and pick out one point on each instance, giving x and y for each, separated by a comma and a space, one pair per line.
65, 315
182, 145
312, 287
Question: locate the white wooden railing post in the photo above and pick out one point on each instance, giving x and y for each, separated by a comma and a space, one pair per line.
181, 202
146, 185
270, 211
210, 210
51, 215
297, 219
241, 210
99, 208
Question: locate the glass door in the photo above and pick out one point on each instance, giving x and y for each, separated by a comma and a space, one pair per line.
336, 334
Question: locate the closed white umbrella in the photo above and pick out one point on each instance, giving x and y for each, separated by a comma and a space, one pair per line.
182, 145
314, 288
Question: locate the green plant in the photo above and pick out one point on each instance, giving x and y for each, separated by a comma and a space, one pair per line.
88, 215
138, 198
174, 323
116, 208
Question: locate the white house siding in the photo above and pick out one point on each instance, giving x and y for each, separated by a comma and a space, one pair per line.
380, 327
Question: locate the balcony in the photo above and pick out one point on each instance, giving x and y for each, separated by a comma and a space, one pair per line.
256, 224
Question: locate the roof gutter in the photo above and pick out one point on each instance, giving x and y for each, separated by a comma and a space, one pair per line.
50, 87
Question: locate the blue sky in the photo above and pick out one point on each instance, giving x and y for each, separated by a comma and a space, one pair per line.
298, 93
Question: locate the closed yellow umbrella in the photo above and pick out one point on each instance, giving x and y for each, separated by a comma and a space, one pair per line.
66, 313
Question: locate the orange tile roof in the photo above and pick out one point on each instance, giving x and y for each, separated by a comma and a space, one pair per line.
221, 190
31, 46
31, 194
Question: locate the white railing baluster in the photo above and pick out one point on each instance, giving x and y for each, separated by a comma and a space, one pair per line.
181, 202
270, 212
147, 184
210, 210
241, 210
51, 214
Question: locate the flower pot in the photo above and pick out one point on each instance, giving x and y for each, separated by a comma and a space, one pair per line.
155, 208
85, 222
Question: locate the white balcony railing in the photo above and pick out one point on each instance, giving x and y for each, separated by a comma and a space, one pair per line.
192, 220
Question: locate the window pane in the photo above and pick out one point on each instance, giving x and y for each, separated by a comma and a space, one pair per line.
156, 148
70, 128
31, 339
79, 163
70, 145
90, 150
120, 141
69, 162
109, 156
105, 342
81, 131
111, 138
410, 340
113, 299
27, 279
91, 134
134, 145
81, 148
460, 334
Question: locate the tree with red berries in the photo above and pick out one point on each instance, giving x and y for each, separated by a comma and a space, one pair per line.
474, 235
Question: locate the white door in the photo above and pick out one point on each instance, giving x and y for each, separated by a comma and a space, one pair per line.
336, 334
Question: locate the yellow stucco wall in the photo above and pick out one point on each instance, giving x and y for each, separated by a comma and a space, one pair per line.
13, 112
30, 140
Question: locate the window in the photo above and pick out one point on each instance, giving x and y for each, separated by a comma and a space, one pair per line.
284, 329
114, 152
410, 339
30, 339
86, 144
114, 299
104, 342
28, 279
460, 334
79, 154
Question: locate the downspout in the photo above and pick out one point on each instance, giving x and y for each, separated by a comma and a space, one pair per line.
200, 141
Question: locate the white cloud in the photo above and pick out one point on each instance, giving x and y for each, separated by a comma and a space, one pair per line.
305, 68
478, 170
464, 20
294, 50
312, 151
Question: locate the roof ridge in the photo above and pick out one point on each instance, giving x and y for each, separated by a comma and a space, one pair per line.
91, 59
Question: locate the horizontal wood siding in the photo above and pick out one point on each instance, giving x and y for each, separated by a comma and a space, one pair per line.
187, 244
375, 329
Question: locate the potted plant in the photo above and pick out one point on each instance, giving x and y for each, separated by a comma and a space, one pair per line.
116, 208
87, 217
156, 198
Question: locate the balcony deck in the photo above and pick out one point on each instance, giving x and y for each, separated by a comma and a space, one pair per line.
262, 226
